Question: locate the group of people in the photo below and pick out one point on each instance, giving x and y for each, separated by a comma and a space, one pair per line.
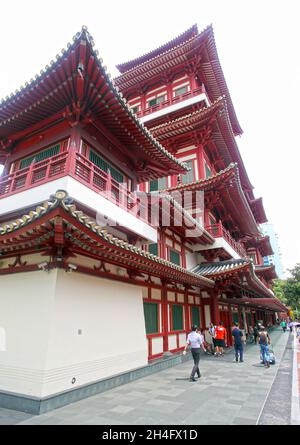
196, 341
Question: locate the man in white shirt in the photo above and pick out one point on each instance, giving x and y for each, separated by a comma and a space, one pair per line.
195, 341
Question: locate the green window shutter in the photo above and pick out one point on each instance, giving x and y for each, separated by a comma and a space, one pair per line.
160, 99
153, 248
154, 185
151, 317
235, 317
175, 257
189, 176
177, 317
162, 183
207, 171
152, 102
181, 90
105, 166
41, 156
196, 316
158, 184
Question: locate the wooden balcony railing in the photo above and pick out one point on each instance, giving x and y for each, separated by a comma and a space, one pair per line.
218, 231
174, 100
80, 168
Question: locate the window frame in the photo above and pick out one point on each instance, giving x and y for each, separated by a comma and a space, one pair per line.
172, 317
157, 304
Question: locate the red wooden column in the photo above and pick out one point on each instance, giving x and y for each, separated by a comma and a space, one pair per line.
200, 161
214, 307
187, 320
203, 321
241, 320
165, 318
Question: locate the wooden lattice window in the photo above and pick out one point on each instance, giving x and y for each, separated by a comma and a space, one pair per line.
151, 317
105, 166
41, 156
177, 317
175, 257
195, 316
207, 171
153, 248
189, 176
235, 317
156, 100
158, 184
181, 90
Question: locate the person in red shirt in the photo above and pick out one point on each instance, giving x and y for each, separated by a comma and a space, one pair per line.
220, 338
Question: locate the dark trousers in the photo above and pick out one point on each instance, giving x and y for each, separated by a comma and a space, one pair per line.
239, 350
196, 356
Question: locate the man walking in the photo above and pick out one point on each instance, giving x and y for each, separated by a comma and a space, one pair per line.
220, 338
195, 341
283, 325
264, 342
238, 338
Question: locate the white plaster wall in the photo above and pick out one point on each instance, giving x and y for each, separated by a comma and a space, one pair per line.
157, 345
182, 339
42, 314
175, 107
83, 194
191, 260
110, 316
26, 310
172, 342
220, 243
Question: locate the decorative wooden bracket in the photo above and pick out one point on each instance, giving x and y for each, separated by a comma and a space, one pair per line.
101, 267
17, 262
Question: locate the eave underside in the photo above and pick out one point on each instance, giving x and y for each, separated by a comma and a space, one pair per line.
57, 228
77, 88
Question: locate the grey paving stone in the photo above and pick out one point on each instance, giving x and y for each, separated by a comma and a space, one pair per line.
226, 394
243, 421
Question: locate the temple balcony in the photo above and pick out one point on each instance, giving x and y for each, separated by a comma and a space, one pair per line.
224, 242
85, 182
175, 103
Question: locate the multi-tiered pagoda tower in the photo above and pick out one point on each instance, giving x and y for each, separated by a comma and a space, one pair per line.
92, 286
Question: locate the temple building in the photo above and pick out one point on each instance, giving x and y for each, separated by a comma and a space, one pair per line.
98, 244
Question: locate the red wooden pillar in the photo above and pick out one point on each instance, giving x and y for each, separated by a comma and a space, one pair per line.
203, 321
200, 161
165, 319
214, 308
187, 318
241, 321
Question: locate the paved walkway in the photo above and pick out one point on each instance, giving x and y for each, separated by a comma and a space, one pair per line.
227, 393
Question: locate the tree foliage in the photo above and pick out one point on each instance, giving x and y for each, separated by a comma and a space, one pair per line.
288, 291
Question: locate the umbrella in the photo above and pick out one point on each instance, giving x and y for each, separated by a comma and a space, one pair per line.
294, 323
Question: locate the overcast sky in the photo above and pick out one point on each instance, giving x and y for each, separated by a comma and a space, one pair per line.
258, 42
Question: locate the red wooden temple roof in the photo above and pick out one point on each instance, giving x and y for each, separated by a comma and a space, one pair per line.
142, 70
258, 210
179, 219
273, 304
57, 223
268, 272
182, 38
263, 244
222, 270
227, 183
76, 86
216, 115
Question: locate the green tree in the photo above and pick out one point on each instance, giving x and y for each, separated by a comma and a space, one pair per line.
288, 291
